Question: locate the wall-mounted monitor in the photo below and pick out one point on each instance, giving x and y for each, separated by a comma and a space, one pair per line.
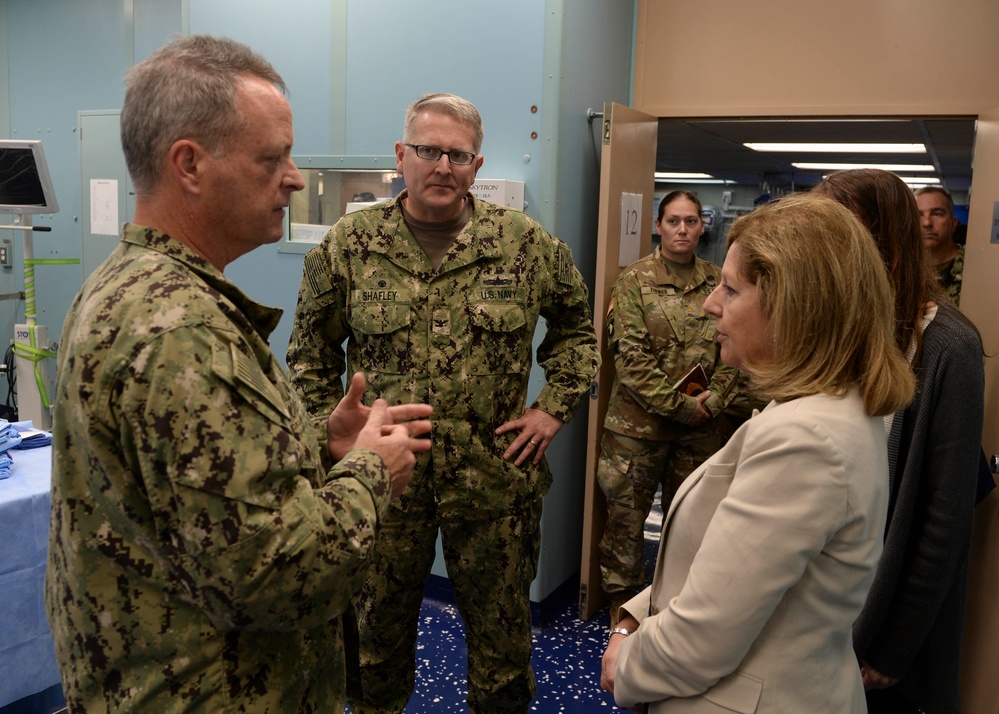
25, 184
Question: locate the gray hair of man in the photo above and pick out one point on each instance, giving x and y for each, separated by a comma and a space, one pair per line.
948, 199
449, 104
185, 90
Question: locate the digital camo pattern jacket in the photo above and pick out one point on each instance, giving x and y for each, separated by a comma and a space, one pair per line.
658, 330
458, 337
951, 277
198, 551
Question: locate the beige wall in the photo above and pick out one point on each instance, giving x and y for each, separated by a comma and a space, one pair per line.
796, 57
728, 58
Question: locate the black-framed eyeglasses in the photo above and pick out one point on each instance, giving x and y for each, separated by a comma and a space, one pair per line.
434, 153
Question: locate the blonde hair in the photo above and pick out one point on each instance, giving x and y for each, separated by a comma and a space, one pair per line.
824, 289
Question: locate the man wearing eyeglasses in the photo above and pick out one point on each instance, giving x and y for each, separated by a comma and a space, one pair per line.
437, 295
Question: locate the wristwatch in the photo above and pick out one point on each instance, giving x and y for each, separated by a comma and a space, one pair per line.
620, 631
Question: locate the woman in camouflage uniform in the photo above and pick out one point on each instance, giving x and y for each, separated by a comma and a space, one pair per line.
653, 433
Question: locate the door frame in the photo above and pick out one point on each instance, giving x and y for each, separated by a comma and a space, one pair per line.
627, 166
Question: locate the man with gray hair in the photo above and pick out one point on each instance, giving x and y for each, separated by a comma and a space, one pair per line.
936, 216
437, 294
203, 543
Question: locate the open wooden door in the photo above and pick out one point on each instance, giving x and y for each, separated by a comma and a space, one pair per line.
626, 216
979, 296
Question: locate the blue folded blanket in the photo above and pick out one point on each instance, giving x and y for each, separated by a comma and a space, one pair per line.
31, 438
9, 438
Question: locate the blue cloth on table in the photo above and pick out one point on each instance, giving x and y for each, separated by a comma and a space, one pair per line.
27, 657
9, 435
31, 438
9, 438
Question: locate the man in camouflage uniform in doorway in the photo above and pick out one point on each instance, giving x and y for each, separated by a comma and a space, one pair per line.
200, 556
937, 219
437, 294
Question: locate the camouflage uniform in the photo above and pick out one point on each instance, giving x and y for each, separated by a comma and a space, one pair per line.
458, 337
657, 330
199, 555
950, 277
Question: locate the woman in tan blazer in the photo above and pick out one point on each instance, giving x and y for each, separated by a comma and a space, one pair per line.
769, 548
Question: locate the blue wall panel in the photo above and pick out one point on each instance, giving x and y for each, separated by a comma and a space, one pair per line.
154, 23
489, 53
295, 38
64, 56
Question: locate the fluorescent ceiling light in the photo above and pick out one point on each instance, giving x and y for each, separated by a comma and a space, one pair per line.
886, 167
663, 175
688, 181
682, 177
838, 120
836, 148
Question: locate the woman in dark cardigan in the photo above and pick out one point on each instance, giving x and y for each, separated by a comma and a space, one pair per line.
908, 636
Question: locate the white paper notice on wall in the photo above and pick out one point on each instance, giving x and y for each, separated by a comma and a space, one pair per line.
104, 207
631, 229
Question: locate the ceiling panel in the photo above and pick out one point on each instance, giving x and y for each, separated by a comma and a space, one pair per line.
716, 147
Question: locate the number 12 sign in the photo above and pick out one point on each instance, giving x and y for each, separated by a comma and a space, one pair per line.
632, 218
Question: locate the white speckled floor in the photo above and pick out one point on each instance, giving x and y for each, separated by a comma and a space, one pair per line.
566, 657
566, 662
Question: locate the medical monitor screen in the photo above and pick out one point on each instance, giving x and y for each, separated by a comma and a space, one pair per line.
25, 185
